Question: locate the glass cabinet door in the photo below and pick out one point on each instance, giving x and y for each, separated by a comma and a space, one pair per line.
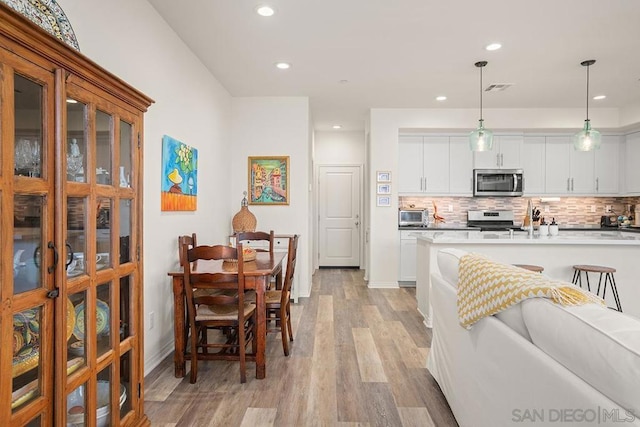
102, 276
27, 292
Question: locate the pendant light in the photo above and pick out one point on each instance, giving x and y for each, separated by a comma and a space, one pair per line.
481, 139
587, 139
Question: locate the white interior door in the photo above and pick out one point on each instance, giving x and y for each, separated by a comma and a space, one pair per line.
339, 211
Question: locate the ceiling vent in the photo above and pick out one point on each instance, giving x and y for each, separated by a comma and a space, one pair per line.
497, 87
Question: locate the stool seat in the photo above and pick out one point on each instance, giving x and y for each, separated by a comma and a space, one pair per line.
594, 268
609, 280
534, 268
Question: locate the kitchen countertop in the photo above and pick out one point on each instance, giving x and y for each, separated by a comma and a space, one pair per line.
565, 237
431, 227
462, 227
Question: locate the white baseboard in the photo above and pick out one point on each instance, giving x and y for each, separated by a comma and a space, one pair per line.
383, 285
154, 360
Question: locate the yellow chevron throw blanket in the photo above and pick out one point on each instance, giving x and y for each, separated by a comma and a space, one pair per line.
486, 287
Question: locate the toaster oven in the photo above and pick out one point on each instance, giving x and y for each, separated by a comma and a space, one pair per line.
413, 217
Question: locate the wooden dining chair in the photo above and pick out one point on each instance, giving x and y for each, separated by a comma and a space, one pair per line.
190, 241
278, 302
253, 236
218, 310
245, 237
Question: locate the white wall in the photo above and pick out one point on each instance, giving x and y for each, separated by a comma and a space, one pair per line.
130, 39
384, 127
276, 126
339, 148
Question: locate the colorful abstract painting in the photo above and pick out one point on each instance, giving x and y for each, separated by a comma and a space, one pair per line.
269, 180
179, 176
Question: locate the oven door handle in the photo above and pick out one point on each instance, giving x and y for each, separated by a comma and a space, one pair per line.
515, 182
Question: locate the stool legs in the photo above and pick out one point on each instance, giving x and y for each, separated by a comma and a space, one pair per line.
608, 279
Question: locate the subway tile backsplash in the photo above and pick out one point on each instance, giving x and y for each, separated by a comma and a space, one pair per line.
567, 211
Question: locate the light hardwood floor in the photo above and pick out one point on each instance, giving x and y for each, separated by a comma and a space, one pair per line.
358, 359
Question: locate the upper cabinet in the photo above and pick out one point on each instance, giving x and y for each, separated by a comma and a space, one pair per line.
423, 164
533, 164
444, 164
568, 171
460, 166
607, 166
506, 154
632, 160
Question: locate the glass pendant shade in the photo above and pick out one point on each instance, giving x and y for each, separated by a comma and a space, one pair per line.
481, 139
587, 139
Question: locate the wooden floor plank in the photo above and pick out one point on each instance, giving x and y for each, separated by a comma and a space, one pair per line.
259, 417
415, 417
341, 327
369, 362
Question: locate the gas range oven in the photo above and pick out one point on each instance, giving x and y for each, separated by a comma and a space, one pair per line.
491, 220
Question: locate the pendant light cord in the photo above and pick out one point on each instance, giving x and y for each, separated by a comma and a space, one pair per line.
481, 92
588, 66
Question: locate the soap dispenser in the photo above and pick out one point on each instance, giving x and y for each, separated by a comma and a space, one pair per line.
553, 228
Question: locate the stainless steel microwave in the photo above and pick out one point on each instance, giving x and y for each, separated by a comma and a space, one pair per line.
498, 182
413, 217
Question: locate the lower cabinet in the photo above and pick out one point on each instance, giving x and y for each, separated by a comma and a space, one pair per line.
408, 245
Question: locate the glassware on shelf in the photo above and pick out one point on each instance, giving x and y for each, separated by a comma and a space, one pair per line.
74, 162
35, 159
22, 156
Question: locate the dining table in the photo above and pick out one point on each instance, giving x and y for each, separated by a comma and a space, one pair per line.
257, 276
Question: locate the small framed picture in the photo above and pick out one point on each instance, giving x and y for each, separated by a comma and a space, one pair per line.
384, 188
384, 201
384, 176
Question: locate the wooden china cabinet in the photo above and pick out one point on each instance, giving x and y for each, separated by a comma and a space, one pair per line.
71, 326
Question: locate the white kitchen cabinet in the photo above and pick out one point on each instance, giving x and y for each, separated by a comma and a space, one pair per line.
423, 164
460, 166
533, 164
607, 170
408, 248
632, 160
410, 164
506, 153
568, 171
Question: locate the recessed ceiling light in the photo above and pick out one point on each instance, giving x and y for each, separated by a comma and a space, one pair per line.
283, 65
337, 127
265, 10
441, 98
598, 97
71, 101
493, 46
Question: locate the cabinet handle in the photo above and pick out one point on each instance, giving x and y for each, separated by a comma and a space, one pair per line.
501, 159
597, 184
498, 160
52, 268
425, 183
568, 184
571, 184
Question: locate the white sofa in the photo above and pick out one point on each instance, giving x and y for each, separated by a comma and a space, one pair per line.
537, 363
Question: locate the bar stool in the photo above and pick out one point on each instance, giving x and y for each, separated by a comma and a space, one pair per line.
608, 278
534, 268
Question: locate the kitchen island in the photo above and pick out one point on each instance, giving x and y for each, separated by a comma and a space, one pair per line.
557, 254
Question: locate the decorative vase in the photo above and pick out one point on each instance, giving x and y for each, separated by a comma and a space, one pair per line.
244, 220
